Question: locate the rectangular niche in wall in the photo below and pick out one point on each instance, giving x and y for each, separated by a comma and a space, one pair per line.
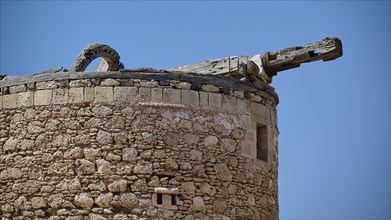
165, 198
262, 145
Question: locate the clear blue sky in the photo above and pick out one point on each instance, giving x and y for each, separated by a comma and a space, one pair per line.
334, 117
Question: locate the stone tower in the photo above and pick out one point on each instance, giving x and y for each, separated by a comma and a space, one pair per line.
137, 144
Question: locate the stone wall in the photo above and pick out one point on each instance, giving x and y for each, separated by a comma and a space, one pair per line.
132, 148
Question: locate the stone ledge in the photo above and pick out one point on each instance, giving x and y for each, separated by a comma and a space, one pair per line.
206, 83
174, 92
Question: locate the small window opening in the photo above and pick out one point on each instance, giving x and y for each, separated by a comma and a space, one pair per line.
159, 199
262, 148
173, 200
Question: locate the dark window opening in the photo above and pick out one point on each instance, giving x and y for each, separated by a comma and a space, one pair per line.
173, 200
262, 148
159, 199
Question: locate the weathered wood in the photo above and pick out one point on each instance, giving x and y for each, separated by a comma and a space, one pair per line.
327, 49
53, 70
264, 67
227, 66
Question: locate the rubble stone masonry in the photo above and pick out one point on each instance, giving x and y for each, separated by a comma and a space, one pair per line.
134, 148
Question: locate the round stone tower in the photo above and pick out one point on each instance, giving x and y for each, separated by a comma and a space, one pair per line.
137, 145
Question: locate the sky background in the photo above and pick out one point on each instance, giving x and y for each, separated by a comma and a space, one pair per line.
334, 117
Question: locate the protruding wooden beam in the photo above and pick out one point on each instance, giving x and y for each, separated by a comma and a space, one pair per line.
265, 66
327, 49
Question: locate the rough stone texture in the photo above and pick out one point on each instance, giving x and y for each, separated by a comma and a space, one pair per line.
76, 95
84, 200
199, 205
104, 200
99, 151
25, 99
118, 186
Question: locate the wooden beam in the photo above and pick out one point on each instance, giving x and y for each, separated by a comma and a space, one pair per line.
264, 67
227, 66
327, 49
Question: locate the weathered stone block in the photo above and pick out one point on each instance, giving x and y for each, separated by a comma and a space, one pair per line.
211, 141
104, 95
60, 96
143, 167
82, 139
195, 155
89, 94
110, 82
10, 101
76, 95
93, 216
210, 88
102, 111
7, 208
46, 85
17, 89
222, 172
120, 217
69, 184
124, 168
207, 189
199, 205
145, 94
113, 157
91, 153
126, 94
104, 137
118, 186
128, 200
219, 206
172, 96
156, 95
149, 84
171, 139
214, 100
139, 186
228, 145
62, 83
31, 85
80, 83
10, 173
84, 167
25, 99
126, 82
244, 106
72, 124
228, 103
260, 113
43, 97
204, 98
1, 101
104, 167
171, 164
238, 94
84, 200
38, 202
190, 97
147, 154
104, 200
183, 85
